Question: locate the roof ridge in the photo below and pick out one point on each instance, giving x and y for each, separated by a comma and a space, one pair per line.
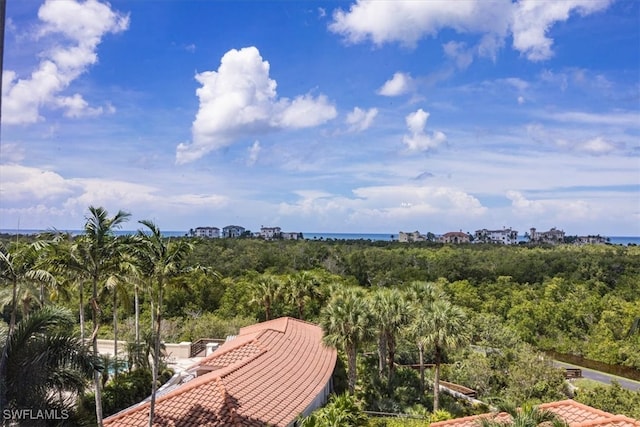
577, 404
608, 421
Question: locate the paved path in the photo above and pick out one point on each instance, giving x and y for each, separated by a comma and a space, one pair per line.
601, 376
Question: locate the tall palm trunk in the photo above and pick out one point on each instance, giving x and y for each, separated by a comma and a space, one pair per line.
436, 379
82, 312
156, 353
136, 304
382, 353
115, 333
421, 351
97, 377
352, 366
14, 306
391, 357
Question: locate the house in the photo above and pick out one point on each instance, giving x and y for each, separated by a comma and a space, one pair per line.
208, 232
553, 236
576, 414
455, 237
291, 235
231, 231
267, 375
270, 233
591, 240
414, 236
506, 236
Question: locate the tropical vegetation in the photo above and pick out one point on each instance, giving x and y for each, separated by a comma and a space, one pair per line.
403, 317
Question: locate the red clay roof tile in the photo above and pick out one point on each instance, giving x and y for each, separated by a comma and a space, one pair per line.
576, 414
268, 375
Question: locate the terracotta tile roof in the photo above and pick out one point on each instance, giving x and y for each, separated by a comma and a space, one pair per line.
268, 375
576, 414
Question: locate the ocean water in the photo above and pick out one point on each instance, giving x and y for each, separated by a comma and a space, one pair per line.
614, 240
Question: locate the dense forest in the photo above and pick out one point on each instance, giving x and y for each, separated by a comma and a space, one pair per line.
497, 307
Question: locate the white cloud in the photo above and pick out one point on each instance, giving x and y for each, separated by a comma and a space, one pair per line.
45, 198
552, 210
80, 28
240, 100
399, 84
22, 183
385, 207
459, 53
11, 153
532, 20
419, 139
622, 118
407, 21
254, 152
597, 146
360, 120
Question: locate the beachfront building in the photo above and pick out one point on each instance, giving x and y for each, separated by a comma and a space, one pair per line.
270, 233
553, 236
575, 414
506, 236
267, 375
292, 235
231, 231
454, 237
413, 236
208, 232
590, 240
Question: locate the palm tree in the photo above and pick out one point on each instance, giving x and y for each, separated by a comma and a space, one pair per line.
447, 329
391, 312
97, 254
266, 291
422, 296
300, 288
20, 269
527, 416
346, 321
159, 260
43, 362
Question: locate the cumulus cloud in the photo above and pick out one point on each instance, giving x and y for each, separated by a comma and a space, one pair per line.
77, 28
46, 198
399, 84
239, 100
408, 21
359, 119
551, 209
22, 183
418, 139
380, 206
532, 20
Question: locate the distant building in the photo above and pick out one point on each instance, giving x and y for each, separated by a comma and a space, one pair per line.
455, 237
289, 235
506, 236
208, 232
414, 236
231, 231
590, 240
553, 236
270, 233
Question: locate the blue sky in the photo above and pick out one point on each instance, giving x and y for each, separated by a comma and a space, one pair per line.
320, 116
